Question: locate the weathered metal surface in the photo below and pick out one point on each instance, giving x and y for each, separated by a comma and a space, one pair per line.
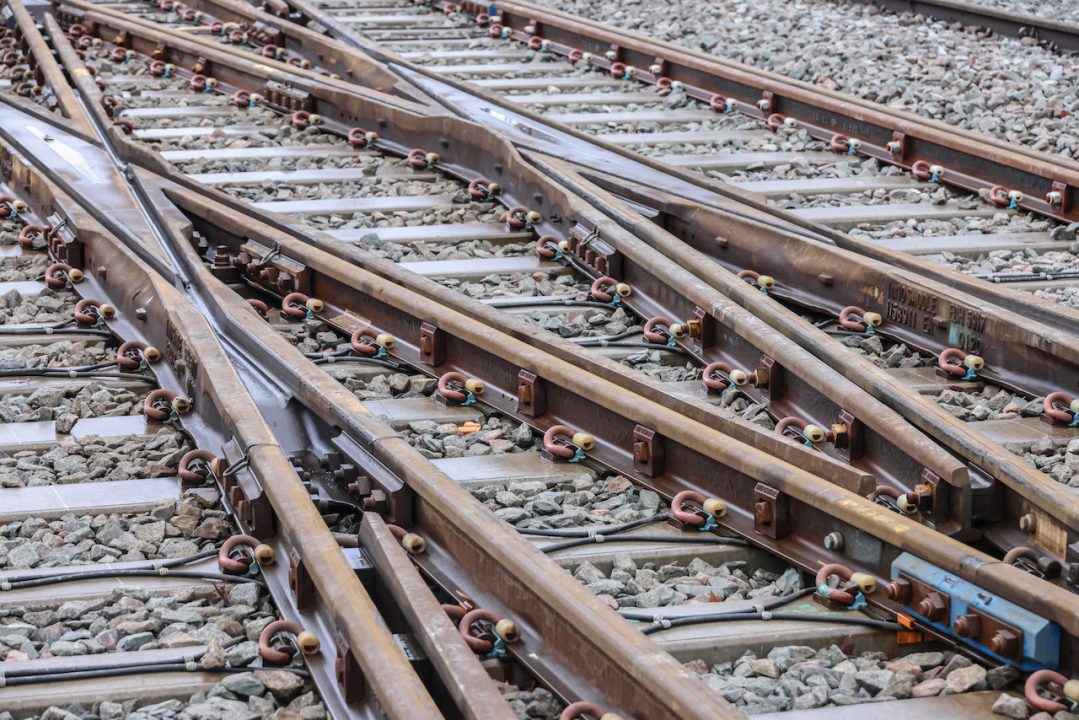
326, 55
667, 171
817, 397
692, 450
45, 65
1054, 33
972, 162
567, 630
473, 692
194, 362
697, 230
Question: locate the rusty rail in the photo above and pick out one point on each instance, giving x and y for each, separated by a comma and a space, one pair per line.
46, 67
271, 501
1058, 35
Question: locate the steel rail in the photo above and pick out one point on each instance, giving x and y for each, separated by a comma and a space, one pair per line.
971, 162
298, 47
1055, 34
273, 504
693, 235
527, 128
641, 269
568, 634
821, 507
988, 571
44, 64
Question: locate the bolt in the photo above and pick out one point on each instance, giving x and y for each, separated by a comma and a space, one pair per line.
1027, 523
898, 590
1003, 643
931, 606
762, 512
969, 625
833, 541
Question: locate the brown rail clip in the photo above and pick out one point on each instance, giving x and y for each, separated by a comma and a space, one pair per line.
432, 345
245, 494
347, 671
531, 394
299, 581
848, 432
649, 458
771, 512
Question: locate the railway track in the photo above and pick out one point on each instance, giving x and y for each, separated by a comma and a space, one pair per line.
1055, 27
426, 380
797, 162
966, 498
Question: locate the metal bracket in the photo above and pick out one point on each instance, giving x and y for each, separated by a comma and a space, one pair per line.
245, 494
932, 495
924, 599
773, 102
769, 376
1065, 198
63, 243
432, 345
299, 581
899, 147
649, 457
1002, 638
849, 432
702, 331
347, 671
771, 512
531, 394
287, 97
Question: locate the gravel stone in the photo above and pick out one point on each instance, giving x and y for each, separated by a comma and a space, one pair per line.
1010, 706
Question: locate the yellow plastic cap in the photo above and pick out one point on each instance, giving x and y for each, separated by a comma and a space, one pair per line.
585, 441
865, 582
413, 543
507, 630
308, 643
715, 507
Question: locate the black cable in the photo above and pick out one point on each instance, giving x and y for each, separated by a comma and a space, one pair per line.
334, 359
130, 572
75, 373
585, 532
147, 564
50, 329
546, 301
25, 672
703, 537
782, 616
649, 615
607, 338
645, 345
136, 670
